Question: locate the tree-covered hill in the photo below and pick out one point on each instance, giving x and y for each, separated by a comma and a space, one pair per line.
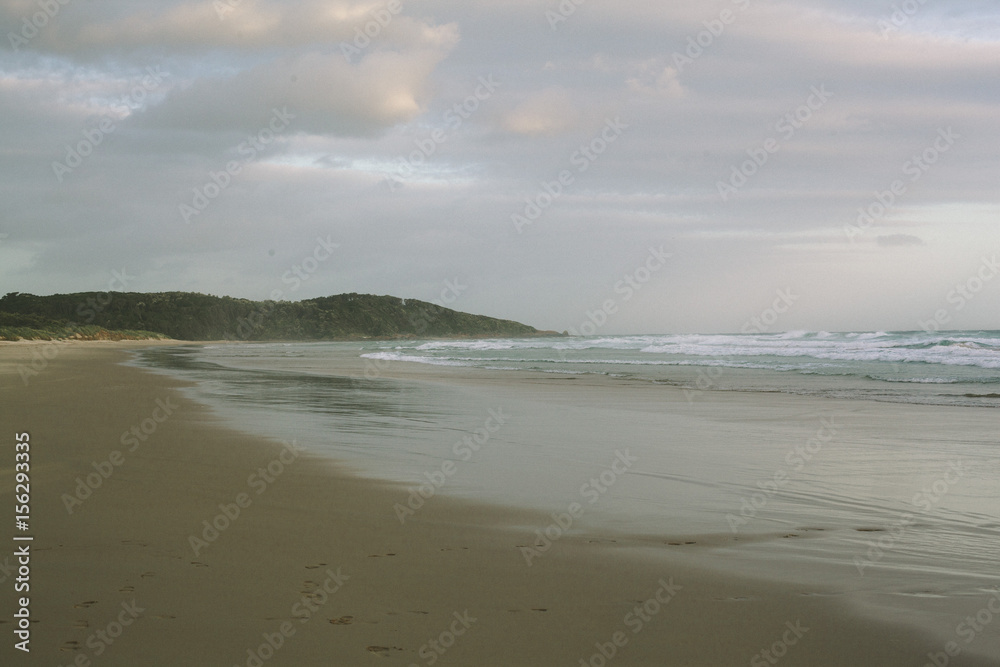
192, 316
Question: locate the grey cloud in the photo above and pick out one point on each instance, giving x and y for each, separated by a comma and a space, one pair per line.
326, 94
898, 240
657, 184
92, 30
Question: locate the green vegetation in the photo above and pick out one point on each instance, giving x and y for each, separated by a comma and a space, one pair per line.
191, 316
14, 326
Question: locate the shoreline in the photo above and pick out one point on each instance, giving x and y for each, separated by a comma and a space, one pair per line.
356, 339
390, 589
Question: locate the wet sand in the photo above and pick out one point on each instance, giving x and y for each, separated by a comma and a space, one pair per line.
316, 569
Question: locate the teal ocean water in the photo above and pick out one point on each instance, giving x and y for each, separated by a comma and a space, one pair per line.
948, 368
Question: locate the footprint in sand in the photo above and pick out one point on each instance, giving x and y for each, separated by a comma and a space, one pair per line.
198, 563
316, 566
134, 543
311, 590
146, 574
84, 605
380, 555
81, 624
419, 612
384, 651
538, 609
343, 620
126, 589
70, 646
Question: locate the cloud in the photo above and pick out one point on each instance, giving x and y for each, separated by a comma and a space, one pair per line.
657, 80
325, 93
90, 30
341, 67
898, 240
548, 112
356, 118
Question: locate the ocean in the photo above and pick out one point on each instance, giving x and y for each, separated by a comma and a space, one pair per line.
865, 463
949, 368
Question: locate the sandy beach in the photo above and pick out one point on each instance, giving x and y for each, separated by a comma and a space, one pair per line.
500, 334
162, 537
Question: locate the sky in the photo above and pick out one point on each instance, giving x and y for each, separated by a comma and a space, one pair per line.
644, 167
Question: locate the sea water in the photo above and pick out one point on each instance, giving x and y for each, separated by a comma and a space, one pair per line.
866, 463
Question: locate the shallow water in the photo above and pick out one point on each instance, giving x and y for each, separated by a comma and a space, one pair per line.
893, 505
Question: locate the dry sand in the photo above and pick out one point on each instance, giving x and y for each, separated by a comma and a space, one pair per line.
453, 568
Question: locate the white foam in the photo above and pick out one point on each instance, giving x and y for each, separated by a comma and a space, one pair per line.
393, 356
763, 350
